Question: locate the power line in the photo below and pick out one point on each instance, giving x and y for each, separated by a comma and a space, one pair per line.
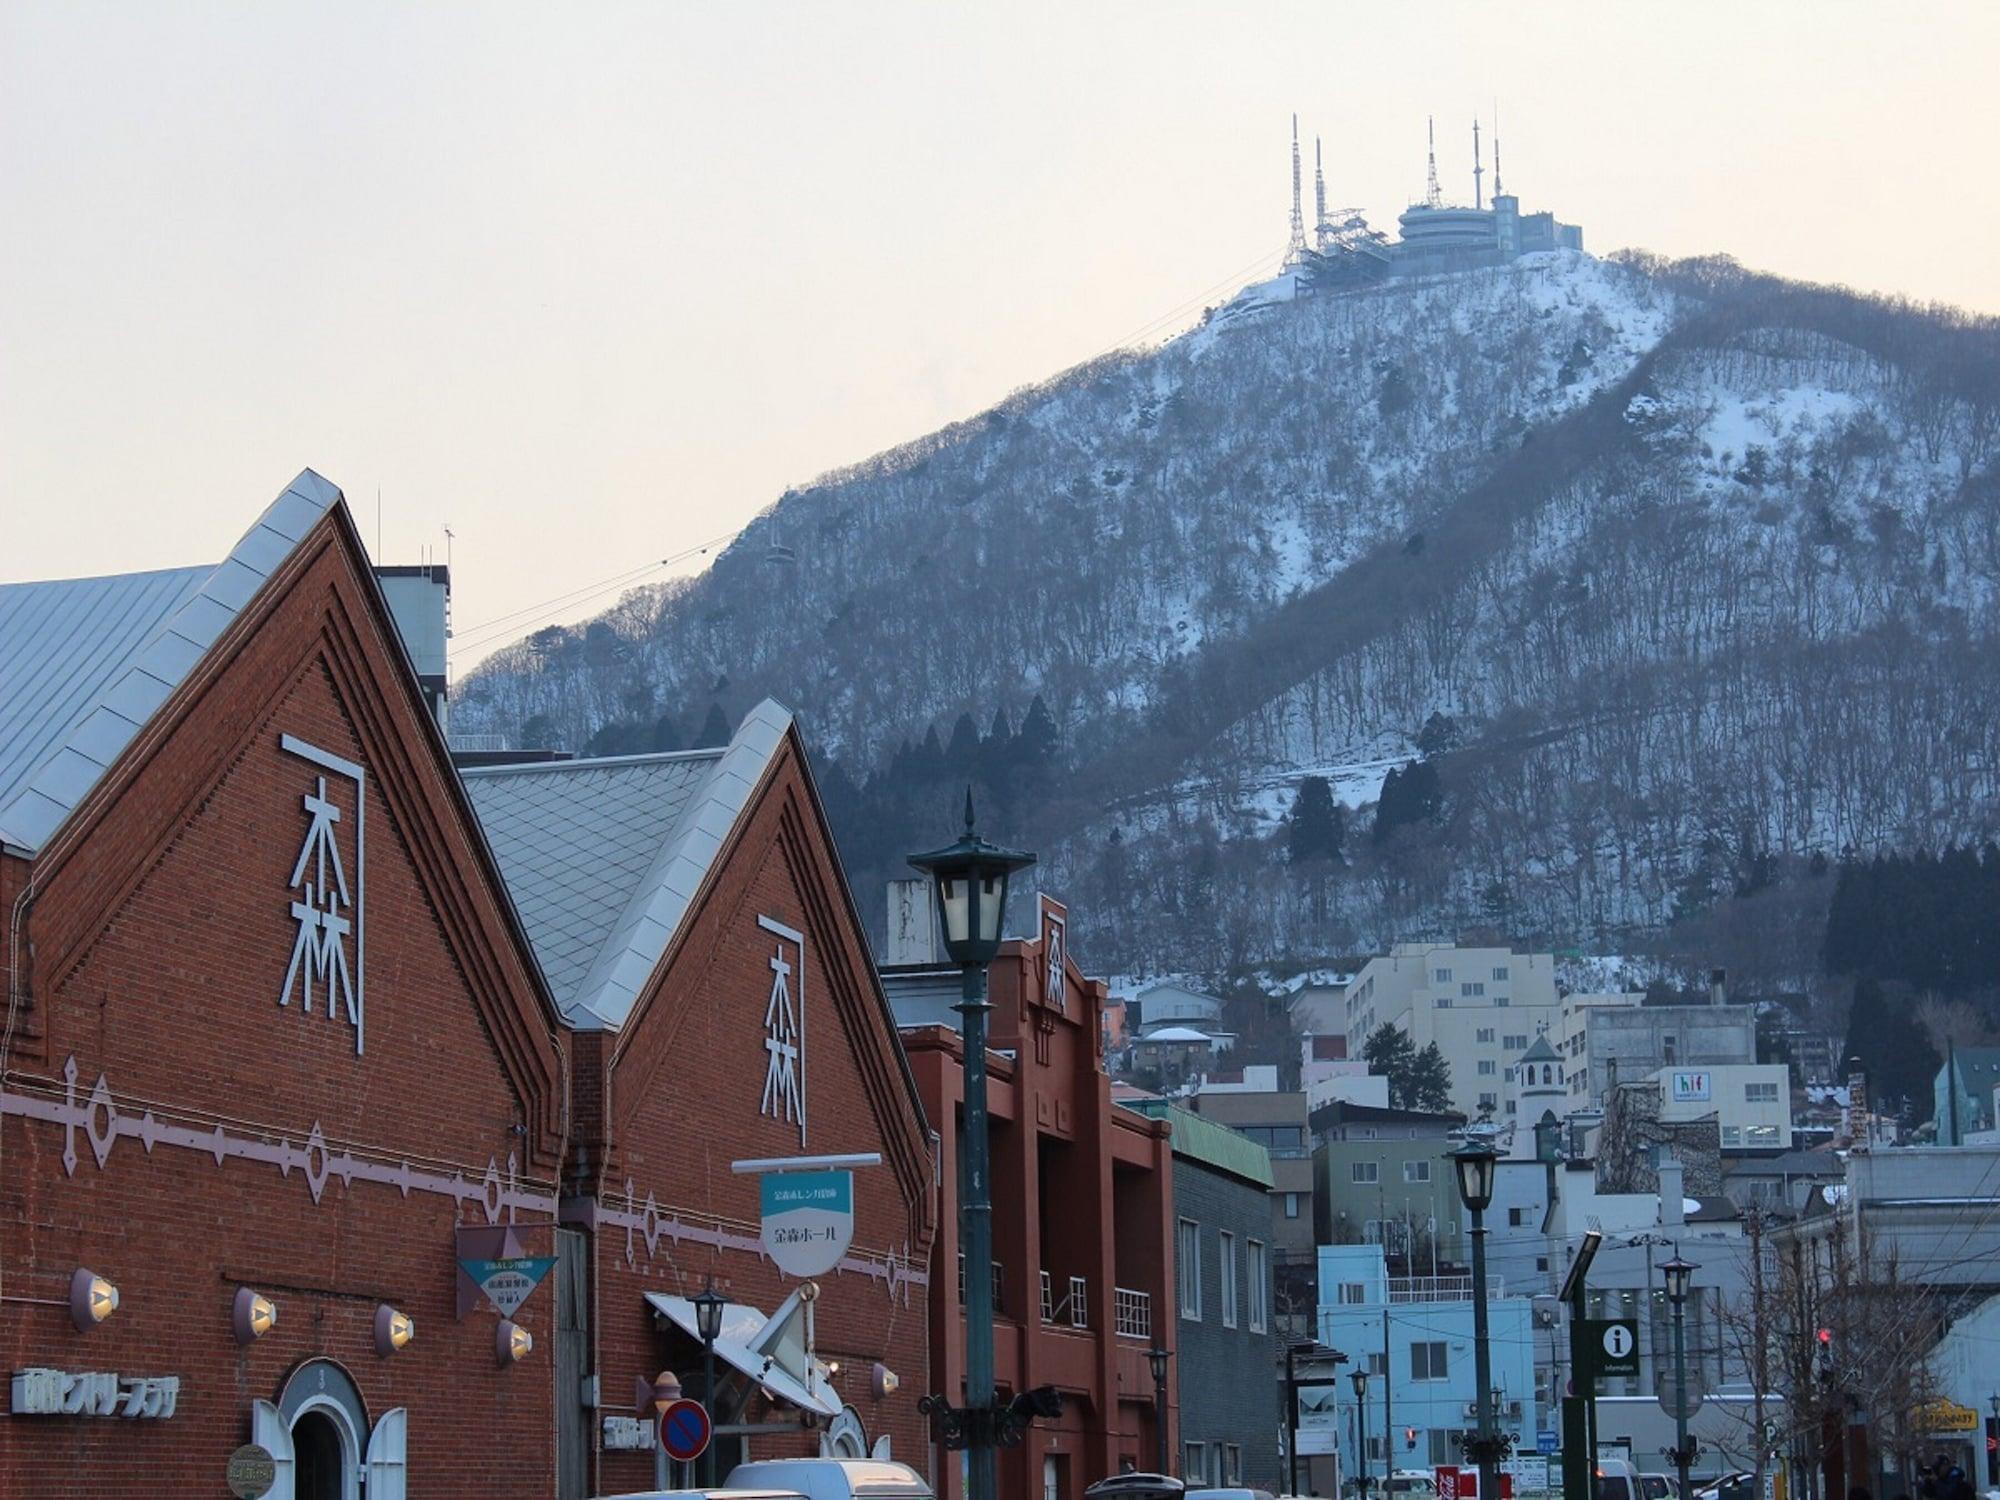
528, 615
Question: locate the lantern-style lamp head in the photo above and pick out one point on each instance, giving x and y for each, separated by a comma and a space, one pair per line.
970, 878
1678, 1273
1474, 1162
1158, 1358
708, 1306
1360, 1380
666, 1390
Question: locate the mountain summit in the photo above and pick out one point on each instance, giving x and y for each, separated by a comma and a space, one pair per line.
1596, 591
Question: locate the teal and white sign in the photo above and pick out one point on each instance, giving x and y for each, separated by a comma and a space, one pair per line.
808, 1220
508, 1283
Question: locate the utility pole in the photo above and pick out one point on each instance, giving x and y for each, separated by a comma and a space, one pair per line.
1388, 1409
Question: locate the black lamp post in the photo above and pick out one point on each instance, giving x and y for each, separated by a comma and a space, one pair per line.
1475, 1163
1360, 1379
970, 878
708, 1306
1157, 1358
1679, 1273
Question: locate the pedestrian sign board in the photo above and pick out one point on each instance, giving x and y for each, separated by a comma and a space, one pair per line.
1614, 1346
1545, 1442
808, 1220
684, 1430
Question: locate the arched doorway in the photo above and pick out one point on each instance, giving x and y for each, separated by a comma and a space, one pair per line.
321, 1465
320, 1439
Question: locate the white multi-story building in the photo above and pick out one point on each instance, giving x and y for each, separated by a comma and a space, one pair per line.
1482, 1006
1751, 1102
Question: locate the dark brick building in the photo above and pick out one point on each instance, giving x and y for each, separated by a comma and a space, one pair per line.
1227, 1373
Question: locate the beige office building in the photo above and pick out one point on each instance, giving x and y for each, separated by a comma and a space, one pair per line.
1482, 1006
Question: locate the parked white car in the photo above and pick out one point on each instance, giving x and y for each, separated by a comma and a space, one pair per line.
834, 1478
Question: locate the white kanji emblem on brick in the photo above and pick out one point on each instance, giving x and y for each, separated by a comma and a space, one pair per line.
325, 904
785, 1029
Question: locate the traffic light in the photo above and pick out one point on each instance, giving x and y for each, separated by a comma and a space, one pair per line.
1410, 1438
1825, 1337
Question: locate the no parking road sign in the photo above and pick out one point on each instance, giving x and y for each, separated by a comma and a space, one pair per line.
685, 1430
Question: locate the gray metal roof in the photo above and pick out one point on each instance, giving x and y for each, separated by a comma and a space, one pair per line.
85, 662
602, 857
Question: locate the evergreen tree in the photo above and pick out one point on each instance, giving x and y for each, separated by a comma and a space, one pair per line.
1430, 1081
715, 730
539, 733
963, 751
1038, 741
1390, 1054
1894, 1052
666, 734
1318, 823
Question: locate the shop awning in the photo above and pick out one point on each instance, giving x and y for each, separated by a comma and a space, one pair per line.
770, 1351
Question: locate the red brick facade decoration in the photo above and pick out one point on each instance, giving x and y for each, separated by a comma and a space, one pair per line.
178, 1119
682, 1086
1082, 1216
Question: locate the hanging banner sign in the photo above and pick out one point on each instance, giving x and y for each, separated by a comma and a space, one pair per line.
808, 1220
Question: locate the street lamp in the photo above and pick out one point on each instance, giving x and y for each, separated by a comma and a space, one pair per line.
1360, 1379
1679, 1273
708, 1306
970, 878
1475, 1162
1157, 1358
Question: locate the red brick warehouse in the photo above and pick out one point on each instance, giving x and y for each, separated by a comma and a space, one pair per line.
281, 1024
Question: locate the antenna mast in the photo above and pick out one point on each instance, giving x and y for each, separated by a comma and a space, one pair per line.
1295, 252
1478, 166
1319, 195
1496, 149
1432, 197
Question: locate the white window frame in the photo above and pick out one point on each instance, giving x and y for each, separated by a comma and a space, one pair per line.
1374, 1173
1257, 1262
1418, 1170
1291, 1205
1437, 1360
1226, 1263
1194, 1457
1188, 1236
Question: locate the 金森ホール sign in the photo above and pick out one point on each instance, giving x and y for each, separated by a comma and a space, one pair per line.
808, 1220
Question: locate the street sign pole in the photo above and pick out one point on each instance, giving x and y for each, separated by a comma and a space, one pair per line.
1579, 1440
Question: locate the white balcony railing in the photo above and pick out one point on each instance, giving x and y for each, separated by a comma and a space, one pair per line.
1439, 1288
1074, 1309
1132, 1313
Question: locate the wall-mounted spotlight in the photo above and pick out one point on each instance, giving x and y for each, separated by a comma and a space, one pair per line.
252, 1316
92, 1299
392, 1330
512, 1342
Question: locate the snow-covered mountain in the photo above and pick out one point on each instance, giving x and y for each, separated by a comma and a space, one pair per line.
1678, 576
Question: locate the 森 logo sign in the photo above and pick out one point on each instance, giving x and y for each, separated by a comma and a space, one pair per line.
808, 1220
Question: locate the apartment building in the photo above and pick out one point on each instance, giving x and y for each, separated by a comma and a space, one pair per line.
1481, 1006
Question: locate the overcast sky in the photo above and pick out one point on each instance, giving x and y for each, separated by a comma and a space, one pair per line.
593, 283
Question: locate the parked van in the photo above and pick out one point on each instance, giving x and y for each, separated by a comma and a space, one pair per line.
1617, 1480
833, 1478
